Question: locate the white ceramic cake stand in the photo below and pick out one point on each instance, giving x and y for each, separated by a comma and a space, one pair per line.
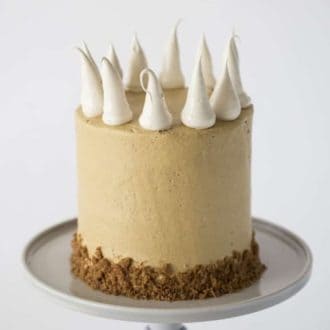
288, 259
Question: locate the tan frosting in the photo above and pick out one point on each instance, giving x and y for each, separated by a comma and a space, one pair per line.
180, 196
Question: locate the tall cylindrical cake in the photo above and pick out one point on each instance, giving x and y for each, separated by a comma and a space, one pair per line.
164, 212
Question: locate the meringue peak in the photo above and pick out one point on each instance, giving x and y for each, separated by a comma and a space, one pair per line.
155, 115
232, 59
91, 87
206, 64
136, 64
113, 58
89, 55
116, 110
171, 75
197, 112
224, 99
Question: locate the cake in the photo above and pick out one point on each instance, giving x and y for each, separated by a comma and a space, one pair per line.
164, 205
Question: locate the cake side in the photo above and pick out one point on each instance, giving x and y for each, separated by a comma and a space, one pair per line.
180, 196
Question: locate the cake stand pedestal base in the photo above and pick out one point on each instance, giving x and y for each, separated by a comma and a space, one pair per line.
46, 260
161, 326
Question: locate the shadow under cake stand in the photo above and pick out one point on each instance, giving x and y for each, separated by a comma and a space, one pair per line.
46, 260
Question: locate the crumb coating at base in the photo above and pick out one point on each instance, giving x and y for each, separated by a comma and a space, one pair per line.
139, 281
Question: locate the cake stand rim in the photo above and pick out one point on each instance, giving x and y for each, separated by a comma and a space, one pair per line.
182, 314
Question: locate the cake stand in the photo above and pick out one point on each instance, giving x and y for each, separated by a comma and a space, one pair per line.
288, 259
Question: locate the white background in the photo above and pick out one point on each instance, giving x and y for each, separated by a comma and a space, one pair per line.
285, 54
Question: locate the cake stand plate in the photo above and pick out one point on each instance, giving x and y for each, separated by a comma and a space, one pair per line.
288, 259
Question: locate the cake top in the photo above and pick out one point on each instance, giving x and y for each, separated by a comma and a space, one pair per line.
175, 99
103, 92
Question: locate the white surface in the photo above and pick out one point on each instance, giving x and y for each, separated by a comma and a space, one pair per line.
288, 259
285, 53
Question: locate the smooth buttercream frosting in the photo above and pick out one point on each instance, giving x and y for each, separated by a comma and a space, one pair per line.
206, 62
113, 58
116, 110
197, 112
232, 59
155, 115
224, 99
171, 75
180, 196
136, 64
91, 87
